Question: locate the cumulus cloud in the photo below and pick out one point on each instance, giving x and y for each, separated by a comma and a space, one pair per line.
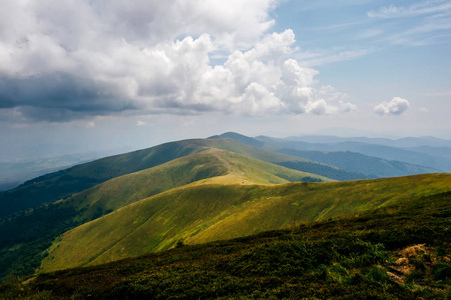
396, 106
72, 60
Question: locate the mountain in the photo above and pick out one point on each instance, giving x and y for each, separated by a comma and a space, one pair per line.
372, 167
400, 251
64, 183
438, 158
224, 208
14, 172
357, 163
245, 185
208, 164
25, 235
398, 143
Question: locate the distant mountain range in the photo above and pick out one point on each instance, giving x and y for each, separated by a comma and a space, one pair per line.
430, 152
369, 160
15, 172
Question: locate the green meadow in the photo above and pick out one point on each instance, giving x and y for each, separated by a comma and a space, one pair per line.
202, 212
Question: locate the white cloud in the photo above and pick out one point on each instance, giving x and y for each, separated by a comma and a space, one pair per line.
71, 60
427, 7
431, 23
319, 59
140, 123
396, 106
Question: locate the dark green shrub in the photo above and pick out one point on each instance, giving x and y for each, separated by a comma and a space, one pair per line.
441, 251
441, 271
414, 276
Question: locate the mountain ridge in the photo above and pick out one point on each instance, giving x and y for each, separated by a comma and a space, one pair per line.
37, 228
61, 184
357, 163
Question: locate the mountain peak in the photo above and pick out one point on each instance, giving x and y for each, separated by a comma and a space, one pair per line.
239, 138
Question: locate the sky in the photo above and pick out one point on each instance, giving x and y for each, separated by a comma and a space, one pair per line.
94, 74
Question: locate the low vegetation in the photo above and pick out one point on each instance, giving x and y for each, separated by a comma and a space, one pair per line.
219, 208
399, 251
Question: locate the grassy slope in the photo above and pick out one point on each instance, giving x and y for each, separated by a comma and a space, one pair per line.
24, 236
347, 258
54, 186
202, 212
62, 184
211, 162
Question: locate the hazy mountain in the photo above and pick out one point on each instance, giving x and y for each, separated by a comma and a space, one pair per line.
367, 166
438, 158
400, 143
15, 172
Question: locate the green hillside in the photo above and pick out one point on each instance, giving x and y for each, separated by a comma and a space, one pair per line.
207, 210
64, 183
399, 251
54, 186
24, 236
211, 162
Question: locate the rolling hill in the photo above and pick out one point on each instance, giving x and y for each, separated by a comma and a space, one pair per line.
210, 163
399, 251
24, 236
64, 183
224, 208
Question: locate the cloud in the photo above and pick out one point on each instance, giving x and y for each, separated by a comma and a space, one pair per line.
396, 106
61, 61
431, 22
319, 59
427, 7
140, 123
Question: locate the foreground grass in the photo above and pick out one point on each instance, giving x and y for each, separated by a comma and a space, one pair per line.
400, 251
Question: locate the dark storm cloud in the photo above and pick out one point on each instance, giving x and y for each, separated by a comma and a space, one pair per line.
57, 97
